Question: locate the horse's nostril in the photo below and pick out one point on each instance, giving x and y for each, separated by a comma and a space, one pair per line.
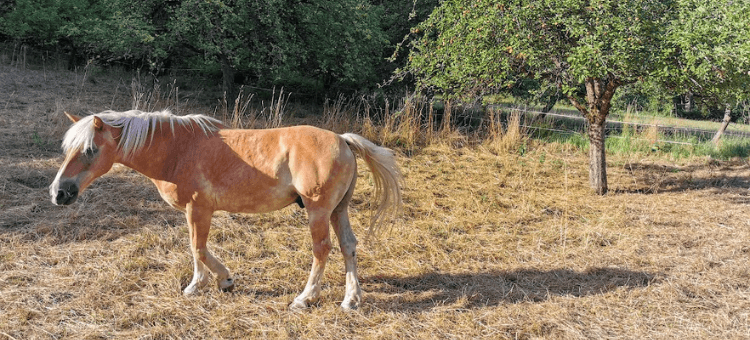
65, 197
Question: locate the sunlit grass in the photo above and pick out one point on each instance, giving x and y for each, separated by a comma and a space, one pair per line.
500, 237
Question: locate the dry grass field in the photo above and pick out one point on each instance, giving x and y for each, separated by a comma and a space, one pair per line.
491, 244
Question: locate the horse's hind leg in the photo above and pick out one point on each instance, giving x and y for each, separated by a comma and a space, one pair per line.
199, 223
319, 221
348, 244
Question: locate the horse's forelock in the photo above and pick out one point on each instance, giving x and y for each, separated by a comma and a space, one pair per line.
79, 136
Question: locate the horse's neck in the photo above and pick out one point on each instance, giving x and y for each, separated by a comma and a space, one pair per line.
159, 157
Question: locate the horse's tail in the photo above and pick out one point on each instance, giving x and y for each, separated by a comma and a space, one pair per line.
386, 175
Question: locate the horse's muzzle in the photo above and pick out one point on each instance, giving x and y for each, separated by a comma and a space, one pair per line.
67, 193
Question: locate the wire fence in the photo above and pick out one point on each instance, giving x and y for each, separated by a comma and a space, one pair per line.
613, 127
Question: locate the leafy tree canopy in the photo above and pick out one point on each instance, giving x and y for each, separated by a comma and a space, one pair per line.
281, 40
468, 46
709, 50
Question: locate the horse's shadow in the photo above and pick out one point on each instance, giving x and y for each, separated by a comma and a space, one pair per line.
474, 290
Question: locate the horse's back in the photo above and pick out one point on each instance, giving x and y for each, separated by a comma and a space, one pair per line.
301, 144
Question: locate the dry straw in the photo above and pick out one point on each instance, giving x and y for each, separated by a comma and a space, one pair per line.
491, 243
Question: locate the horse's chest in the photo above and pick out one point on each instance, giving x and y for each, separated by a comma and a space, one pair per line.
169, 194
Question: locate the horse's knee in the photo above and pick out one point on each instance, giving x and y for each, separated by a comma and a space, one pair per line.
200, 253
349, 247
322, 248
347, 240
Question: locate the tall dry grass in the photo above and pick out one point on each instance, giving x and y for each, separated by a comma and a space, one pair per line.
491, 244
505, 138
408, 124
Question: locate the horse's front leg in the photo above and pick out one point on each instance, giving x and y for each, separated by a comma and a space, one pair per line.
199, 223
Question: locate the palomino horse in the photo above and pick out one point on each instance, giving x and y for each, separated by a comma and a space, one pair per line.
199, 167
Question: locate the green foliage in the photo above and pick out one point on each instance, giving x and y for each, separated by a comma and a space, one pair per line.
106, 30
239, 31
35, 21
398, 18
342, 41
643, 97
469, 46
321, 45
709, 50
730, 148
277, 42
119, 31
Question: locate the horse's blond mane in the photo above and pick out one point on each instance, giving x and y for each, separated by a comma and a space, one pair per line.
136, 128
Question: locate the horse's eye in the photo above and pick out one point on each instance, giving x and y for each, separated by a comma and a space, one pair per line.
90, 152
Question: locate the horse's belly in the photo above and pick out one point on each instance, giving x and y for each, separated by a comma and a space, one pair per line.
254, 203
239, 199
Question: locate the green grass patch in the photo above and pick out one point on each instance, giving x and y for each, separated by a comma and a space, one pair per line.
673, 147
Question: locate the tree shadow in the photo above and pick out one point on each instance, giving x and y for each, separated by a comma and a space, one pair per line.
476, 290
656, 178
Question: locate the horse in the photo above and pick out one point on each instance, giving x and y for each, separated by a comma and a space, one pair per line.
200, 166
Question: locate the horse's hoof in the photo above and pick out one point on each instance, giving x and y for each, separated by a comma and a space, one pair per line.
297, 305
226, 285
349, 307
189, 290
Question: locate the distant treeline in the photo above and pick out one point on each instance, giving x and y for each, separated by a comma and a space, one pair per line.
315, 46
323, 48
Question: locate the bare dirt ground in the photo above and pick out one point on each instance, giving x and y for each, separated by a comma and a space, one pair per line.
489, 246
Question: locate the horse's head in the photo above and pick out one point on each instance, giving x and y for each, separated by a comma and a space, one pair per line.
91, 148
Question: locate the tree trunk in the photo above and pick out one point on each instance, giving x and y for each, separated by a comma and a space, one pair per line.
227, 77
688, 102
599, 93
551, 101
597, 157
724, 124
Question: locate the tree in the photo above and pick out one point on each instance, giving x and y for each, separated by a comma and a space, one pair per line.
709, 53
34, 21
342, 42
282, 42
397, 19
118, 31
585, 48
318, 46
106, 30
227, 32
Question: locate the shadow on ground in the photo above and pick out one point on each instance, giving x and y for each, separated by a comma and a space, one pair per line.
656, 178
474, 290
113, 206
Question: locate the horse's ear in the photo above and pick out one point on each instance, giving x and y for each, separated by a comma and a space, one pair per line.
72, 117
98, 123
